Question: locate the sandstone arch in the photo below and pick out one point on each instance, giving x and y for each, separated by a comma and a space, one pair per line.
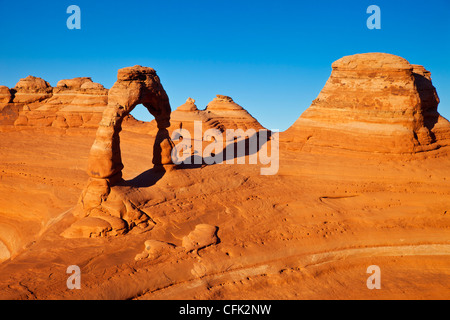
105, 208
134, 85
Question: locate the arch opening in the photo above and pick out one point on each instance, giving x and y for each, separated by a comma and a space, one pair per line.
141, 113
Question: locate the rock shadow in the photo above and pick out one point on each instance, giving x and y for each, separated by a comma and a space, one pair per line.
145, 179
150, 177
229, 152
430, 101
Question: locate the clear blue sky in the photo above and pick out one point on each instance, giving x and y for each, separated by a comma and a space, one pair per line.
272, 57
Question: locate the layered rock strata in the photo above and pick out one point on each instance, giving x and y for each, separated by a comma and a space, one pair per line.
77, 102
373, 102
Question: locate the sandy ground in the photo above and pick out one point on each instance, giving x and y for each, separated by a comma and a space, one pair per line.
309, 232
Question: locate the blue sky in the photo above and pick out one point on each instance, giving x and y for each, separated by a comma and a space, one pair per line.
271, 57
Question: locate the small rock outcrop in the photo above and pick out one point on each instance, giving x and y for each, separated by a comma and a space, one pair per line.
5, 95
227, 114
222, 113
32, 89
185, 116
135, 85
188, 106
202, 236
75, 83
154, 249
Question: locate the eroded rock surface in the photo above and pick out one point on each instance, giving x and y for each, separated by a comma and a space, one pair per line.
154, 249
202, 236
373, 102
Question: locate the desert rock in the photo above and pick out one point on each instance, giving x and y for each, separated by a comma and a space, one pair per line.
70, 106
88, 227
336, 206
32, 89
229, 115
373, 102
221, 113
5, 95
154, 249
73, 103
74, 83
202, 236
189, 105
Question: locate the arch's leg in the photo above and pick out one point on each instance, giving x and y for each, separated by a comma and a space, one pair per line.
162, 149
105, 159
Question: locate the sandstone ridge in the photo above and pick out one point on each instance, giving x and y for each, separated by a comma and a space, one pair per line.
73, 103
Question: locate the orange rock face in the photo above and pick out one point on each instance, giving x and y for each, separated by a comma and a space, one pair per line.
73, 103
185, 115
374, 102
70, 106
363, 181
221, 113
5, 95
32, 89
227, 114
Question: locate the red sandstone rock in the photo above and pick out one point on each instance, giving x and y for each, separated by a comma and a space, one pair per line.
32, 89
373, 102
229, 115
77, 102
308, 232
202, 236
222, 113
5, 95
74, 83
154, 249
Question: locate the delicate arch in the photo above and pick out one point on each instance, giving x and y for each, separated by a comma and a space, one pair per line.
134, 85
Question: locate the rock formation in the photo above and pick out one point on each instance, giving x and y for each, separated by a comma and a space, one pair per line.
73, 103
5, 95
134, 85
224, 113
77, 102
28, 94
309, 232
202, 236
31, 89
80, 102
154, 249
8, 112
373, 102
221, 113
75, 83
185, 116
